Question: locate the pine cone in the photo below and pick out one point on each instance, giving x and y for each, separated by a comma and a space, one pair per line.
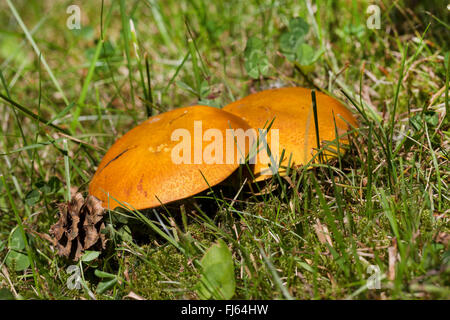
79, 227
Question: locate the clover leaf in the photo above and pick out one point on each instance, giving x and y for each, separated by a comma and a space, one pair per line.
256, 61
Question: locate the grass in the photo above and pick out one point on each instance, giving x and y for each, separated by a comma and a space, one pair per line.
383, 207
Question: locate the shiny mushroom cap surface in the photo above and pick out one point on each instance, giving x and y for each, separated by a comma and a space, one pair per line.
292, 114
169, 157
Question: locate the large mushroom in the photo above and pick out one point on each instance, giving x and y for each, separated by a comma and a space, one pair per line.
292, 114
169, 157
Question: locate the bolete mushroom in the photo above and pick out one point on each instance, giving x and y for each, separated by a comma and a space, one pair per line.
292, 114
169, 157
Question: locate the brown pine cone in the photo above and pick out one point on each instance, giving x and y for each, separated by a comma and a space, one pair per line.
79, 227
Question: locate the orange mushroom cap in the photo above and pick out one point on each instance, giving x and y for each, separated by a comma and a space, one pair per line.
292, 112
139, 169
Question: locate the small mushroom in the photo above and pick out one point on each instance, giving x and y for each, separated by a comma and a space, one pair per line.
169, 157
292, 114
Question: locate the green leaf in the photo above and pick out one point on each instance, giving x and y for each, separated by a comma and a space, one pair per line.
256, 61
105, 285
288, 45
5, 294
446, 257
16, 240
299, 27
217, 280
90, 255
108, 51
32, 197
103, 274
291, 40
204, 89
184, 86
416, 122
210, 103
17, 260
118, 219
306, 56
351, 30
11, 48
306, 266
54, 184
87, 33
125, 234
42, 186
430, 117
61, 114
50, 187
294, 48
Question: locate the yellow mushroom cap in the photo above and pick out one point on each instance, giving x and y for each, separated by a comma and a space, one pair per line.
139, 168
294, 118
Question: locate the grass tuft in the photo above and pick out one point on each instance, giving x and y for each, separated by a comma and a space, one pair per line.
379, 211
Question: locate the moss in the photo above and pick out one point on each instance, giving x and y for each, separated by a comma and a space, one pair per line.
148, 279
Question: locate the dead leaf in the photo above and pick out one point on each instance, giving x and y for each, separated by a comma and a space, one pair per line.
322, 233
444, 238
392, 260
134, 296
